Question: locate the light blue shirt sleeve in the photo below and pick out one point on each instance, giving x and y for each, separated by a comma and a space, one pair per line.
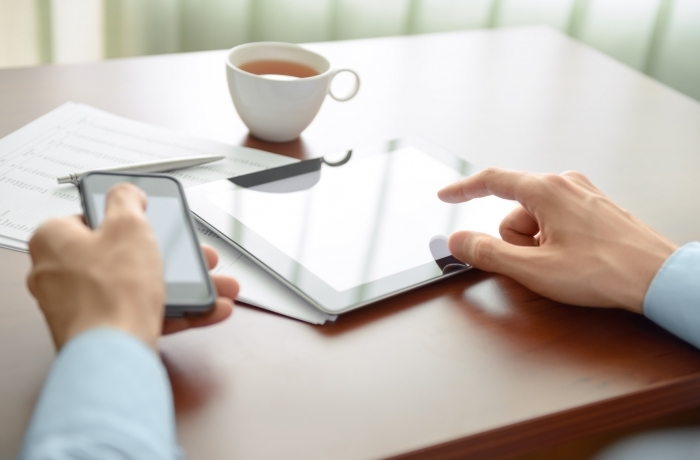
107, 396
673, 298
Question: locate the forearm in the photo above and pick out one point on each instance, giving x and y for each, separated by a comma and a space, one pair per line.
107, 396
673, 298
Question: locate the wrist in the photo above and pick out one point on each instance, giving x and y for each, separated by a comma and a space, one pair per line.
146, 330
646, 270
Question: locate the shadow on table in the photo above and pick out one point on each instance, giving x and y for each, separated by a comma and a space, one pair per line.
193, 384
535, 326
527, 326
295, 149
440, 290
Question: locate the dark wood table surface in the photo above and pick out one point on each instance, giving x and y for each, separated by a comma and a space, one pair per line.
476, 364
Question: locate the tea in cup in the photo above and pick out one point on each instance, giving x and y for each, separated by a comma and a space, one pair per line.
278, 88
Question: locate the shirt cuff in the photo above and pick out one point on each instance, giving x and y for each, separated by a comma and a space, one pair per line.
107, 396
673, 298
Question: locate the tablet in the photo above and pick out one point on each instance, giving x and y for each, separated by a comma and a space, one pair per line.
347, 230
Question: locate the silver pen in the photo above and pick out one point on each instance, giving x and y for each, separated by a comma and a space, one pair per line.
150, 166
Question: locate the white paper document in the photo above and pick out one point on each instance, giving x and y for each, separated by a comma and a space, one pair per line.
77, 137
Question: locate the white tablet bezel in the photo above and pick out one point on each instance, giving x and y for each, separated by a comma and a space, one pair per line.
305, 283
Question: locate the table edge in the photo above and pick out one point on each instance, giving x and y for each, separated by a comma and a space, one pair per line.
561, 427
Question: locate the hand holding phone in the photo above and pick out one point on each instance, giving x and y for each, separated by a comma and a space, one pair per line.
189, 290
84, 279
112, 276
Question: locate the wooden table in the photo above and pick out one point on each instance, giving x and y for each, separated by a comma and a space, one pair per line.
473, 365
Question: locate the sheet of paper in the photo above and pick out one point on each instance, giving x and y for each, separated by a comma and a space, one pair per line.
77, 137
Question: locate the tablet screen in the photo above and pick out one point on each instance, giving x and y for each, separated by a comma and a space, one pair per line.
368, 219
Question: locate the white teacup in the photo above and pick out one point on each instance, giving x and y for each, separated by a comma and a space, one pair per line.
278, 108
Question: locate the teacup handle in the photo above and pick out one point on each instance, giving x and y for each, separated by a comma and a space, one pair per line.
354, 90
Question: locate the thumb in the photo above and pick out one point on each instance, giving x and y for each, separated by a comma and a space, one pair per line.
490, 254
124, 209
125, 198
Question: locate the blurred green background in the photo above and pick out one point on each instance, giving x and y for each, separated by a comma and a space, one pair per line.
658, 37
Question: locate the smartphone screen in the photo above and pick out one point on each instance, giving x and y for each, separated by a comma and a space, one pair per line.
187, 282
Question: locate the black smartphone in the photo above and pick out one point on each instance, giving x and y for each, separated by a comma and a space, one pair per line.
189, 290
